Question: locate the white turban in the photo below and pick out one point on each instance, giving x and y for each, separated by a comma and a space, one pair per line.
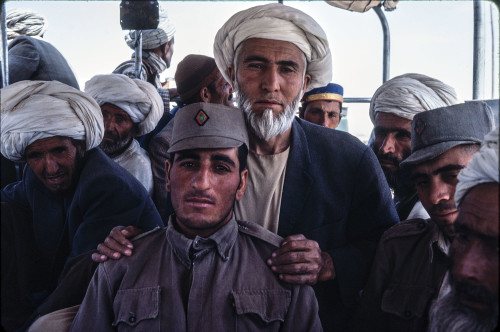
410, 94
32, 110
482, 168
24, 22
278, 22
153, 38
139, 99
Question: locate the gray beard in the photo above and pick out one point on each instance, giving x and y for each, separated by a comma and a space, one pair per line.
112, 149
448, 314
267, 125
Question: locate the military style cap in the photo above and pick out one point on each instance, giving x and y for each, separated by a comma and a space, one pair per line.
436, 131
331, 91
208, 126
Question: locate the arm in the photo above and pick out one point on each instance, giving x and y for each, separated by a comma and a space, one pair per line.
116, 244
302, 314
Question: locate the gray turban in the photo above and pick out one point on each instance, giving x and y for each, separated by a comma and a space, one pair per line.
277, 22
154, 38
482, 168
32, 110
24, 22
139, 99
410, 94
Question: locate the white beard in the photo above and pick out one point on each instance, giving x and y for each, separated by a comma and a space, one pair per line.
267, 125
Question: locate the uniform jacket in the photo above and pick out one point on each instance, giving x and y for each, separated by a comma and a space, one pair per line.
68, 225
34, 59
219, 283
405, 278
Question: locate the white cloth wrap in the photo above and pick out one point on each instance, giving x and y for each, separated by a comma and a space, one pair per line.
32, 110
24, 22
277, 22
482, 168
153, 38
410, 94
139, 99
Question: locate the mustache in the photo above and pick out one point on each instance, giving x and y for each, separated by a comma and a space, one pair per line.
197, 194
110, 134
443, 206
391, 158
476, 292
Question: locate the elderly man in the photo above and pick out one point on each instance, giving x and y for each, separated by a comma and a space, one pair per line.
472, 303
323, 105
71, 191
198, 80
392, 108
408, 273
205, 271
130, 108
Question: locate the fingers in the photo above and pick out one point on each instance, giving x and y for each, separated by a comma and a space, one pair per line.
116, 244
99, 258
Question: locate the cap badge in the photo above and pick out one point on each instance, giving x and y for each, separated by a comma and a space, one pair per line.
419, 126
201, 118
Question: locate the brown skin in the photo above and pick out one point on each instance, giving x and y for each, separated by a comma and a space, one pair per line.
474, 251
118, 127
55, 161
326, 113
221, 94
436, 181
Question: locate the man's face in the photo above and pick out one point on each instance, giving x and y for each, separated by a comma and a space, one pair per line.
204, 185
436, 181
325, 113
222, 92
55, 161
270, 81
119, 129
168, 52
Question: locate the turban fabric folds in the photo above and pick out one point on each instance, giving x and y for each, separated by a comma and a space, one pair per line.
32, 110
139, 99
277, 22
482, 168
24, 22
409, 94
153, 38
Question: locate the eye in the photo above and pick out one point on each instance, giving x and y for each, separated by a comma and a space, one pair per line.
421, 183
332, 115
255, 65
222, 168
34, 156
187, 164
59, 150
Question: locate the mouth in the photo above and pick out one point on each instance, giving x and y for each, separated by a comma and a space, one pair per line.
55, 180
199, 202
268, 103
474, 304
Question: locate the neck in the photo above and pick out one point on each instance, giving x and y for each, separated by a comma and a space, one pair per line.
275, 145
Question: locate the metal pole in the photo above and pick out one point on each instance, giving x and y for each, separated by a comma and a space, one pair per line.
5, 53
138, 53
478, 63
494, 50
387, 43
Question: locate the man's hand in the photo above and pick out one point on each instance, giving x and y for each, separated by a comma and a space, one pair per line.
116, 244
301, 261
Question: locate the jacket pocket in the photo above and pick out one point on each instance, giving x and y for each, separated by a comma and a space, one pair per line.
260, 310
407, 301
137, 308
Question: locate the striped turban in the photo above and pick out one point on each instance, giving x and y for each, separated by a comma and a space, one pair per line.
153, 38
32, 110
139, 99
482, 168
277, 22
409, 94
24, 22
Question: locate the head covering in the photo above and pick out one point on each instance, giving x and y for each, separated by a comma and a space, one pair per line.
436, 131
208, 126
25, 22
139, 99
277, 22
153, 38
32, 110
193, 73
409, 94
332, 91
482, 168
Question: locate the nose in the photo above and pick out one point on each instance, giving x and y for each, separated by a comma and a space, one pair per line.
440, 191
109, 125
323, 119
50, 164
201, 180
469, 262
270, 80
388, 145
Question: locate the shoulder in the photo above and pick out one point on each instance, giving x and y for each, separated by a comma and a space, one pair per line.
258, 232
409, 228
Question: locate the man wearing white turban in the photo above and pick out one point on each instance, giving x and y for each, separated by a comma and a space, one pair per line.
30, 57
130, 108
73, 194
411, 263
321, 189
472, 303
392, 108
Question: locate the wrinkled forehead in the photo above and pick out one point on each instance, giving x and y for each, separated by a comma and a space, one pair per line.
270, 50
479, 210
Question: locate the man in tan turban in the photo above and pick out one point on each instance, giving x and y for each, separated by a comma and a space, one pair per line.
130, 108
71, 194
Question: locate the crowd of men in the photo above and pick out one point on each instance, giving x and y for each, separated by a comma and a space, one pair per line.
259, 217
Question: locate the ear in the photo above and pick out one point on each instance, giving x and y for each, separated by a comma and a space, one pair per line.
243, 184
307, 81
205, 94
168, 166
232, 74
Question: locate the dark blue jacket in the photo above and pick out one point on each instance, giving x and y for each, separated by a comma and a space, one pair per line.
336, 194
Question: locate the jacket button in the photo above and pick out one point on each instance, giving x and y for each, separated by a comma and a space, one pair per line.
131, 319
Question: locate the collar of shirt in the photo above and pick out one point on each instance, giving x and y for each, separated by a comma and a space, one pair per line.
440, 241
222, 240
